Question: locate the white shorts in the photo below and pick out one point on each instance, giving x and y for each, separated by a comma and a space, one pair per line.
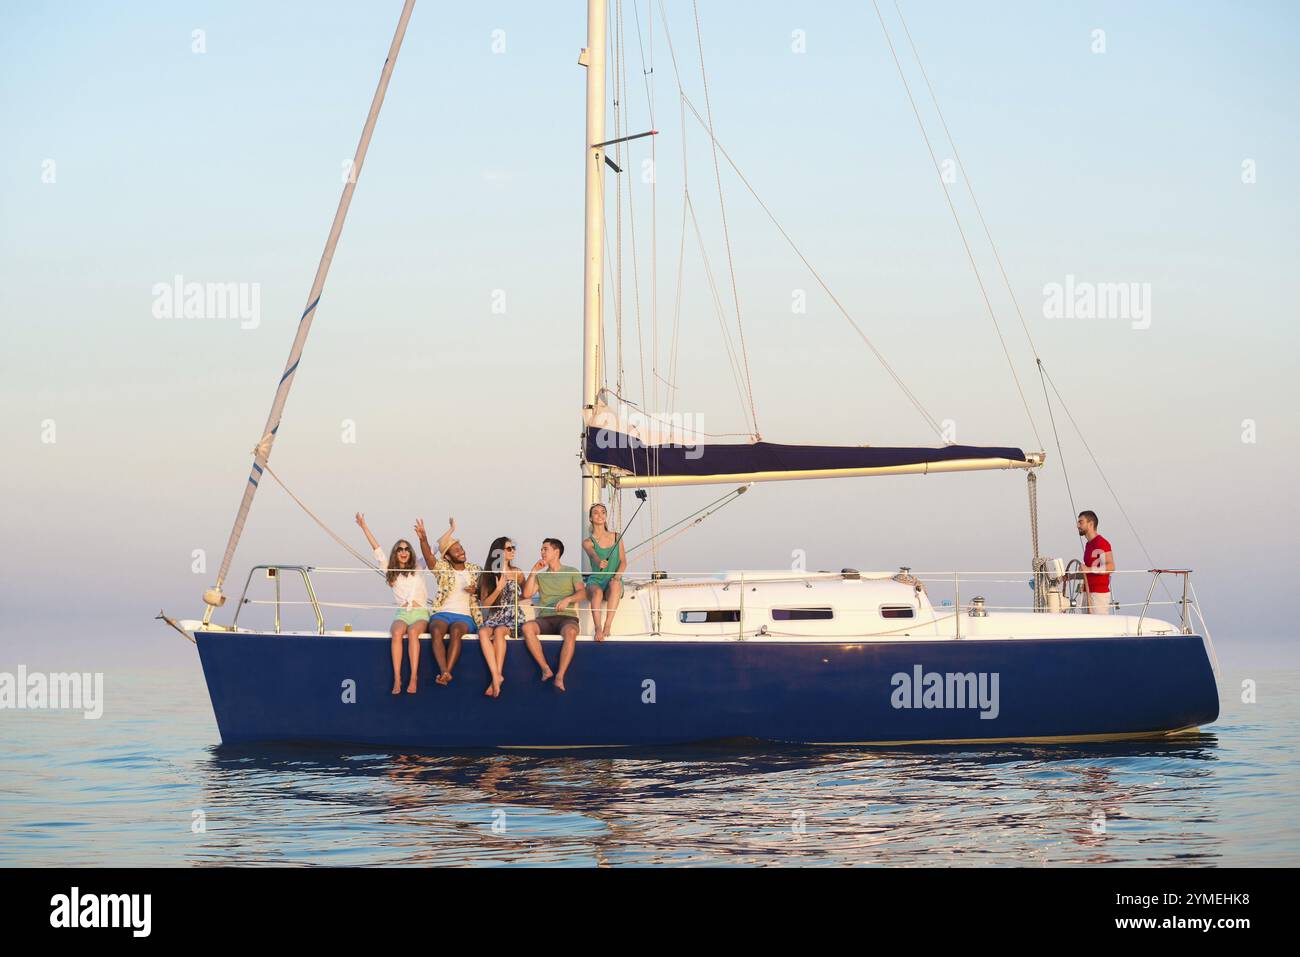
1099, 603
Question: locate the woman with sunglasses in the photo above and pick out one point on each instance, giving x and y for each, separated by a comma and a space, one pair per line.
499, 586
407, 582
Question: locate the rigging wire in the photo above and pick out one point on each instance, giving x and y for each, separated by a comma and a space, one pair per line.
670, 383
966, 178
719, 308
957, 221
1042, 375
684, 103
615, 68
726, 233
647, 75
993, 247
631, 207
884, 363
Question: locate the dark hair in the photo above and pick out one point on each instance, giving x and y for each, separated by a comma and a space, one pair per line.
496, 561
1090, 516
556, 544
394, 567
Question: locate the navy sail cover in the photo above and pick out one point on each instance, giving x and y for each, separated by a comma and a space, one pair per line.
622, 451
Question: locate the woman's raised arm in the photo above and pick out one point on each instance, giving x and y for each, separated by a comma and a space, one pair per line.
361, 520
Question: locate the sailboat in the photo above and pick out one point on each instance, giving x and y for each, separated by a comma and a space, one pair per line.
810, 658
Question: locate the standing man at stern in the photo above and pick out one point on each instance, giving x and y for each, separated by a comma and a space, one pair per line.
1098, 557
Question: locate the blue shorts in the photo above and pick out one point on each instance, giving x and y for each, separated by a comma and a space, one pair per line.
451, 618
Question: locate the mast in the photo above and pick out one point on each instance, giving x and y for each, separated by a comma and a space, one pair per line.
213, 597
593, 58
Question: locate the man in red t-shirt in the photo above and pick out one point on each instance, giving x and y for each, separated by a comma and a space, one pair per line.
1096, 555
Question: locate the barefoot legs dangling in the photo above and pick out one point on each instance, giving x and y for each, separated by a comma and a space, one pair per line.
396, 632
413, 634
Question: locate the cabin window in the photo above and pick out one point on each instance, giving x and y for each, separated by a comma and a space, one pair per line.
802, 614
711, 616
897, 611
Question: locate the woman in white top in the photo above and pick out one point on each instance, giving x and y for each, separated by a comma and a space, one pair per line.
407, 582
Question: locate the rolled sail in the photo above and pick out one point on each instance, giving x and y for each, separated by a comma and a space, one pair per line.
636, 464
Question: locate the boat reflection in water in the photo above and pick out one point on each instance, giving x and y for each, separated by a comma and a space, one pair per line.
726, 803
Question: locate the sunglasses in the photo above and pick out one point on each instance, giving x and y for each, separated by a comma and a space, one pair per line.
403, 548
510, 548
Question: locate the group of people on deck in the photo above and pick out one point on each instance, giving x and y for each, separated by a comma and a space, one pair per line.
489, 600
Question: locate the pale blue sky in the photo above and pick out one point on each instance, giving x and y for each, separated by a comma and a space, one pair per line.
1123, 166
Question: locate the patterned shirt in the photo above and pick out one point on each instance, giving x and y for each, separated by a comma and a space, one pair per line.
446, 576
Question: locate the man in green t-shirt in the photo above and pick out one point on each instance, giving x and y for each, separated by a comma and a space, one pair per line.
559, 589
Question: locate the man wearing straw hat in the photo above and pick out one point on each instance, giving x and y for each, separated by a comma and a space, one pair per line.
456, 612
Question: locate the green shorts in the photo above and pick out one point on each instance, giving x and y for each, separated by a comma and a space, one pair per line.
410, 616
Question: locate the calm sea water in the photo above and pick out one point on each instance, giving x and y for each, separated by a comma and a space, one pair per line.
127, 790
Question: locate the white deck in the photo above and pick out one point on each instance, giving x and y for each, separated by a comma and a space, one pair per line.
777, 605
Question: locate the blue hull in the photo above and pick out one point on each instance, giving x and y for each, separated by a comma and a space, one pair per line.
293, 688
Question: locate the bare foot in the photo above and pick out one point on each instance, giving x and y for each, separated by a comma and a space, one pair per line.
487, 692
442, 679
497, 682
397, 686
599, 635
546, 675
410, 688
559, 682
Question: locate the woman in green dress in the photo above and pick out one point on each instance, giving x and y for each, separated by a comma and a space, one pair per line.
604, 550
